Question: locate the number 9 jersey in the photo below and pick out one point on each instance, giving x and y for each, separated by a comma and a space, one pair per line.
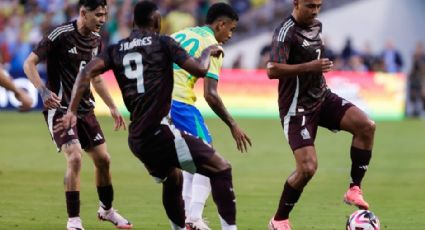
143, 67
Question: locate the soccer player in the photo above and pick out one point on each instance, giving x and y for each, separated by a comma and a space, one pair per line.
21, 95
305, 102
67, 49
143, 67
220, 22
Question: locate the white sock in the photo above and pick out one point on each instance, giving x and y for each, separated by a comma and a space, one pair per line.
201, 189
175, 226
225, 226
187, 191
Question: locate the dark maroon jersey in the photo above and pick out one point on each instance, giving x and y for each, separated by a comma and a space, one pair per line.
143, 67
295, 44
66, 52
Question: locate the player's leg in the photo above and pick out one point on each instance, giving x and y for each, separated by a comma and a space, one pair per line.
187, 191
105, 191
306, 166
196, 187
68, 142
172, 199
219, 172
73, 155
300, 131
91, 135
182, 118
201, 185
357, 123
339, 114
209, 163
201, 188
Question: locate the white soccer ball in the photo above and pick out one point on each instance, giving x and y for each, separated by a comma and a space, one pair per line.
363, 220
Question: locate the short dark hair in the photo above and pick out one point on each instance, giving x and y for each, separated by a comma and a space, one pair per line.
143, 12
221, 9
92, 4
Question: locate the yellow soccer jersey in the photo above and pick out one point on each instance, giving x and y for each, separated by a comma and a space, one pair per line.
194, 40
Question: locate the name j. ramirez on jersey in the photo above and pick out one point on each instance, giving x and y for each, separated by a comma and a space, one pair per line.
136, 42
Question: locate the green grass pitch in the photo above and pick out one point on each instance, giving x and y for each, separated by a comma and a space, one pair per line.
32, 197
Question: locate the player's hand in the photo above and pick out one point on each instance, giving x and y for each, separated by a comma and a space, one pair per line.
25, 99
65, 123
323, 65
50, 99
216, 50
242, 140
119, 120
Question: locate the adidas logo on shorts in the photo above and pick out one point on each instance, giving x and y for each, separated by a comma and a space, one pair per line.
98, 137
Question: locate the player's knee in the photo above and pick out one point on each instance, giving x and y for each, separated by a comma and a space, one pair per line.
103, 161
367, 130
308, 171
225, 165
74, 161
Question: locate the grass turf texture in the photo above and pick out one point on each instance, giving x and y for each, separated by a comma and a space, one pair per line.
32, 197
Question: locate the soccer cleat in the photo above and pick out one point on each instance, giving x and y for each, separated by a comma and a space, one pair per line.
74, 223
354, 196
199, 224
279, 224
114, 217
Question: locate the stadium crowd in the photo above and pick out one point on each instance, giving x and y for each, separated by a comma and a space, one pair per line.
23, 23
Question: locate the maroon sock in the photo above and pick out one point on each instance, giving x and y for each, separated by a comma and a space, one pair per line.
359, 163
106, 196
173, 201
223, 195
73, 203
288, 199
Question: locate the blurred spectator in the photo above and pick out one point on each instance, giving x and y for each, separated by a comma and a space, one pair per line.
182, 17
237, 63
327, 51
264, 57
392, 58
368, 57
416, 82
348, 50
355, 64
240, 6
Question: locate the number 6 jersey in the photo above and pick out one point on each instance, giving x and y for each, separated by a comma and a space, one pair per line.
66, 52
143, 67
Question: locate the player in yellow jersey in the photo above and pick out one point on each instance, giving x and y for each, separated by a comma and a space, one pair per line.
220, 22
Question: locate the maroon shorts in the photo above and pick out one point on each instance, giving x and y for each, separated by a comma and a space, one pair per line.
300, 130
168, 148
87, 131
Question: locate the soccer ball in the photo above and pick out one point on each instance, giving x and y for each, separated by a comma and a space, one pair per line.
363, 220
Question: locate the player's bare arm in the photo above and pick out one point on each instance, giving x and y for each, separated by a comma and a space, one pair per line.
214, 101
282, 70
50, 99
199, 66
20, 94
100, 87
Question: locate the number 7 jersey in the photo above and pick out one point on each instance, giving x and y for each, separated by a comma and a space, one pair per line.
143, 67
193, 40
295, 44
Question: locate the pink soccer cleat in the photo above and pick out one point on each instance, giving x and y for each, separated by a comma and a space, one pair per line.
114, 217
354, 196
279, 224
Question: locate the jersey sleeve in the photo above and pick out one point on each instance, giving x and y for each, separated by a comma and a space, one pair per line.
178, 54
215, 67
43, 48
281, 45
